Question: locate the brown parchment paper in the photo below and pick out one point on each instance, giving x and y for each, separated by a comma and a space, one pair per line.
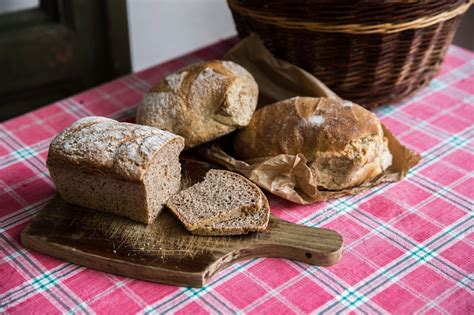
277, 79
284, 175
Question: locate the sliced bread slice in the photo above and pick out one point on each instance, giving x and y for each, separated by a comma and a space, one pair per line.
245, 223
222, 195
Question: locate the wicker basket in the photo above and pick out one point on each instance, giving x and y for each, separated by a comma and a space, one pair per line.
371, 52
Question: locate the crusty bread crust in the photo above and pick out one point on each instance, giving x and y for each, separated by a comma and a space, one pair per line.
108, 147
342, 142
304, 125
201, 102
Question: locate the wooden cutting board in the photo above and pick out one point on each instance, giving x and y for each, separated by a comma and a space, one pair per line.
164, 251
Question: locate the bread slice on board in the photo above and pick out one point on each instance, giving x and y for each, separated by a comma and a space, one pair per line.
245, 223
221, 196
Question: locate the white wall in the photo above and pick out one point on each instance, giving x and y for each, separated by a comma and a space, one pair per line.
163, 29
15, 5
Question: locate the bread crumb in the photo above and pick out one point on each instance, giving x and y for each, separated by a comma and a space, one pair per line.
316, 120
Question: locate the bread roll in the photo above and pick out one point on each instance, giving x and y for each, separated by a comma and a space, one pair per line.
201, 102
342, 142
121, 168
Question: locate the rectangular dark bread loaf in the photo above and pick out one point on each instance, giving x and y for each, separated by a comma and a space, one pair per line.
120, 168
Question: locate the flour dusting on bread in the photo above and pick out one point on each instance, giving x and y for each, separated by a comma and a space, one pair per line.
346, 103
207, 83
174, 80
163, 105
108, 144
317, 120
207, 88
235, 68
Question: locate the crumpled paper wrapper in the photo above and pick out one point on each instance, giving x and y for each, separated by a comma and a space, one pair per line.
277, 79
285, 175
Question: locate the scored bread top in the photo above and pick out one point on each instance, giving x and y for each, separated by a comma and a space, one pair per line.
201, 102
223, 72
106, 146
305, 125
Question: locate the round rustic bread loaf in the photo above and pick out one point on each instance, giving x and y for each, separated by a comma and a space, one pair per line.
343, 143
201, 102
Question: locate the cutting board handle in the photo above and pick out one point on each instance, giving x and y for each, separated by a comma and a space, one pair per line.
315, 246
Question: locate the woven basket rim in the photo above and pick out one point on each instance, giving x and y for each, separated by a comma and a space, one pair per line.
383, 28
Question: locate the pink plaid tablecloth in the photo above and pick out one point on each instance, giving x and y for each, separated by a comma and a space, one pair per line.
408, 245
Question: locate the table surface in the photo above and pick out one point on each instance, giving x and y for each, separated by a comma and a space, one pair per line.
408, 245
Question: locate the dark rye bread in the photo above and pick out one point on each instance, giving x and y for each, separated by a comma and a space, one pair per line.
245, 223
120, 168
221, 196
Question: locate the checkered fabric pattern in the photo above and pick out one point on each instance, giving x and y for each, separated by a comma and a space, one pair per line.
408, 245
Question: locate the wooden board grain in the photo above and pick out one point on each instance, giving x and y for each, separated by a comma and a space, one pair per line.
164, 251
